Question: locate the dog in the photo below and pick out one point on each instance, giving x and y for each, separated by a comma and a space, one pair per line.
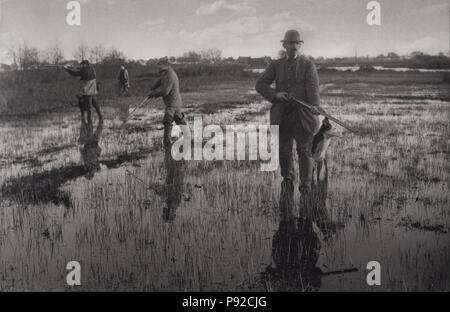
321, 142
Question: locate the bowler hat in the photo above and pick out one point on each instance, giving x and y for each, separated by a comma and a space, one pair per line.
84, 62
292, 36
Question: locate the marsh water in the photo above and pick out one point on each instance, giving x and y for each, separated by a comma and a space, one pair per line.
106, 195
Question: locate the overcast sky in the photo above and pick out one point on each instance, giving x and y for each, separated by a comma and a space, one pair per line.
144, 29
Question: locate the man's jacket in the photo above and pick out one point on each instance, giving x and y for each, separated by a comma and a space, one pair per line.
123, 76
304, 85
88, 81
168, 87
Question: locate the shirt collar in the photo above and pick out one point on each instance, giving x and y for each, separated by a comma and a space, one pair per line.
294, 58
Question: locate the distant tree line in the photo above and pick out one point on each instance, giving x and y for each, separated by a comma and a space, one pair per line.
416, 59
25, 58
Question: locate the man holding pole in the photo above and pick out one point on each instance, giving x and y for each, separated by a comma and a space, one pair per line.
296, 77
167, 86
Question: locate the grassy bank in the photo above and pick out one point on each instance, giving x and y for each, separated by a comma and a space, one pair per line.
43, 91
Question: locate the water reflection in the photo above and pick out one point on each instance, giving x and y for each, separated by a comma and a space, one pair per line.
296, 244
295, 251
174, 185
90, 150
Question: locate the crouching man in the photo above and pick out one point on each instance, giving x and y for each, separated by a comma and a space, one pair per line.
167, 86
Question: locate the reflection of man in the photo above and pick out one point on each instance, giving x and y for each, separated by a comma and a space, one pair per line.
90, 150
167, 87
174, 185
124, 80
294, 76
295, 251
88, 84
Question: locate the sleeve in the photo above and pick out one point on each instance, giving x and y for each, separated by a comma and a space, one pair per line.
312, 85
263, 85
155, 84
74, 72
165, 86
126, 76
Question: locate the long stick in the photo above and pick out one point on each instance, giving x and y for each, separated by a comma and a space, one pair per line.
340, 271
131, 114
325, 115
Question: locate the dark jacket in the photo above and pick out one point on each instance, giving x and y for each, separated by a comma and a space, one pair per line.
123, 76
168, 87
305, 88
88, 81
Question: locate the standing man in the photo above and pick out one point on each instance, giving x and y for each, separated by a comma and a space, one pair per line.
295, 76
124, 80
167, 86
88, 85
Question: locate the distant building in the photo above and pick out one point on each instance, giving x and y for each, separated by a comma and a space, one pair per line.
245, 60
260, 62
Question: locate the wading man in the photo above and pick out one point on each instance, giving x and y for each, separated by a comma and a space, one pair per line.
294, 76
88, 85
167, 86
124, 80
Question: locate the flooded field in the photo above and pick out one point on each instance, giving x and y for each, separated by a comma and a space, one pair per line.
105, 195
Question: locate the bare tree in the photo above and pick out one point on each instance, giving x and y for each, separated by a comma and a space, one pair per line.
211, 55
14, 55
54, 55
114, 56
190, 57
81, 52
392, 55
97, 53
24, 57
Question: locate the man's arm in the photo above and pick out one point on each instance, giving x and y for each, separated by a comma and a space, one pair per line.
263, 85
72, 71
155, 85
164, 87
312, 85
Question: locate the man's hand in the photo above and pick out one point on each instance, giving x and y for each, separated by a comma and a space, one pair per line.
282, 97
318, 110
